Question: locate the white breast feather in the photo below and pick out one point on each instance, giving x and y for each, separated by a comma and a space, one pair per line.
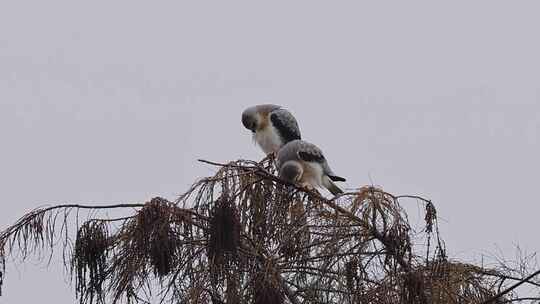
268, 139
313, 173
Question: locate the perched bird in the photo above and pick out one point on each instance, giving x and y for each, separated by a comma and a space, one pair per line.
272, 126
301, 162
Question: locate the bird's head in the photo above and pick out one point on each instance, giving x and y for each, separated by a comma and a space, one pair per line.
291, 171
254, 118
251, 118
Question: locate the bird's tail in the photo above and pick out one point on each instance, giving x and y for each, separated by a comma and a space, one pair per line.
332, 187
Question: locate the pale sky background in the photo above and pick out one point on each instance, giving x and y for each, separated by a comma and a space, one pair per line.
113, 101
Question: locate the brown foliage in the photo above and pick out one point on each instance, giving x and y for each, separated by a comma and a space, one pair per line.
224, 234
243, 236
89, 261
266, 290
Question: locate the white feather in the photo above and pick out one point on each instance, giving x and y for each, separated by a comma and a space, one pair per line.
268, 139
313, 174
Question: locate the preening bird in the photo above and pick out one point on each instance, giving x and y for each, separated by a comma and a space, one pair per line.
301, 162
272, 126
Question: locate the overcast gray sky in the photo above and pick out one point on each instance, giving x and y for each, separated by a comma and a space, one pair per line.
113, 101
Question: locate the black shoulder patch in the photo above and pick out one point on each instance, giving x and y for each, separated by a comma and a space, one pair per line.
337, 178
287, 127
311, 157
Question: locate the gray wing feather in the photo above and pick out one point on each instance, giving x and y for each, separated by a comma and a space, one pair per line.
286, 124
304, 151
311, 153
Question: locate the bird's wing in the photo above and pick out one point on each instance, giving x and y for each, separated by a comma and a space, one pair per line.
286, 124
337, 178
333, 188
310, 153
